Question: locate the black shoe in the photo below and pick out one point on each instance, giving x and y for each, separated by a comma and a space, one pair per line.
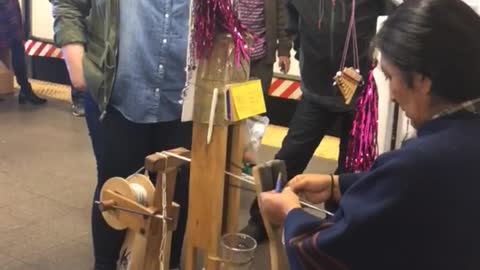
256, 231
27, 95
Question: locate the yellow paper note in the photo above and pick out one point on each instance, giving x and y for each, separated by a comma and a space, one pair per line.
247, 99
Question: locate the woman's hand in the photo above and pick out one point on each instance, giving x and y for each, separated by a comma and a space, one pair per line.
316, 188
276, 206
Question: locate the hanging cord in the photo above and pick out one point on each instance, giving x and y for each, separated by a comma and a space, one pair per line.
163, 244
351, 34
356, 58
137, 172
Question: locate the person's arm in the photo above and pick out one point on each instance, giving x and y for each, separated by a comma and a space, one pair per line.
315, 244
293, 22
319, 188
73, 54
284, 40
70, 34
346, 180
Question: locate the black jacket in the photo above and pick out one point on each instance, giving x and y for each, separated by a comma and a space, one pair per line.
321, 43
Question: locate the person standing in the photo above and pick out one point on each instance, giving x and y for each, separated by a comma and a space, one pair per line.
321, 44
11, 36
413, 208
129, 56
266, 20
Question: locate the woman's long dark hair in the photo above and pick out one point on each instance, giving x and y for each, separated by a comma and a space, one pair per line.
439, 39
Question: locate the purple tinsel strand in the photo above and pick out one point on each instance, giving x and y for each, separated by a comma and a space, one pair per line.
362, 147
213, 17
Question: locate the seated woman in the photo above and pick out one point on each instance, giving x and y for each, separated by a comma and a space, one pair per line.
418, 207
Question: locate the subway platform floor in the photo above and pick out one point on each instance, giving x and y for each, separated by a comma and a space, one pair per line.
47, 177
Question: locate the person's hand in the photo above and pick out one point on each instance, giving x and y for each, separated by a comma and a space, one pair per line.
316, 188
276, 206
284, 64
74, 58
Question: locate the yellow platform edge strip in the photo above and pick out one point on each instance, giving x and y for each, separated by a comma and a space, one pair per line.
328, 148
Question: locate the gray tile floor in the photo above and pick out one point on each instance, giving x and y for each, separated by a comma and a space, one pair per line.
47, 175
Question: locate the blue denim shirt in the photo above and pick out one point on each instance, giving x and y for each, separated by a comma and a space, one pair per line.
151, 65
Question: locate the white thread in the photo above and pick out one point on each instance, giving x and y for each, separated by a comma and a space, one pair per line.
140, 193
249, 180
164, 214
135, 173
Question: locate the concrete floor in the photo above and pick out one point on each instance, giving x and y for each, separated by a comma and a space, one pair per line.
47, 175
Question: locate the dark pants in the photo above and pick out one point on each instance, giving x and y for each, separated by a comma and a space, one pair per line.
308, 127
18, 63
78, 97
120, 148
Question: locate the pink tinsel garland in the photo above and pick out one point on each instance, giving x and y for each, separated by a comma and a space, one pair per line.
213, 17
362, 147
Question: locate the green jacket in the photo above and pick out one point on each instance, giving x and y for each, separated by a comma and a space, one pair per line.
93, 23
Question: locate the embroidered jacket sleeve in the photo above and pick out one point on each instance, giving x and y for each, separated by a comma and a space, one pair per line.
339, 242
348, 179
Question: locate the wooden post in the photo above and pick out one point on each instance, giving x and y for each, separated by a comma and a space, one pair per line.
166, 167
235, 166
265, 176
206, 194
206, 218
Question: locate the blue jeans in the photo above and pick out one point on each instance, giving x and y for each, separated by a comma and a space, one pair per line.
78, 97
120, 148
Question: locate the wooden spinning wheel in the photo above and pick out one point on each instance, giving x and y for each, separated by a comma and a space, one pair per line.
136, 205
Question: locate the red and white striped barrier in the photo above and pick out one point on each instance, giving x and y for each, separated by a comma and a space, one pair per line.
42, 49
286, 89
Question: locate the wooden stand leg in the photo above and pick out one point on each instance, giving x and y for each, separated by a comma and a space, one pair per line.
165, 167
133, 251
190, 254
235, 166
207, 186
265, 178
